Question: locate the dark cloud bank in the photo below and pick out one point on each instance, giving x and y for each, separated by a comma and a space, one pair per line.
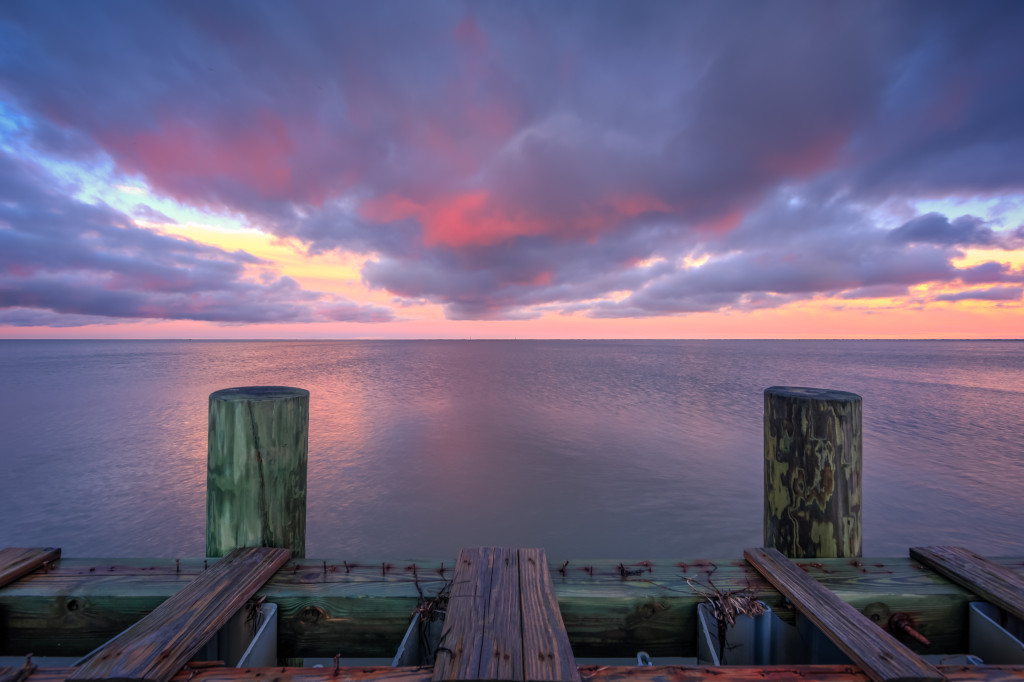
504, 159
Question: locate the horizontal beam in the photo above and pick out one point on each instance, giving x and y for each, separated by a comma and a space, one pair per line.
16, 562
804, 673
325, 607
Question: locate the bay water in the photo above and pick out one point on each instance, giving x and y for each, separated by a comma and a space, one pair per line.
591, 449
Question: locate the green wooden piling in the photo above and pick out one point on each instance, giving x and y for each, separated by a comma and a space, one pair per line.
256, 469
812, 472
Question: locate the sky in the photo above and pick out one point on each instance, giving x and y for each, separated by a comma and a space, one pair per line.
511, 169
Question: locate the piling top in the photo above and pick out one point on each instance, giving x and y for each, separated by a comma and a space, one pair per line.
256, 393
812, 393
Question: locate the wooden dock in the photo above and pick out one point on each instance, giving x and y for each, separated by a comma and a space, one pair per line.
505, 622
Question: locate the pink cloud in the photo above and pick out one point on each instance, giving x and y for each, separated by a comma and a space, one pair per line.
180, 155
477, 219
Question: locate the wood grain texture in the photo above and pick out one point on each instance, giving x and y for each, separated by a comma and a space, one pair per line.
156, 647
547, 654
996, 584
503, 621
878, 654
16, 562
256, 469
502, 651
588, 673
282, 674
462, 639
812, 472
802, 673
355, 606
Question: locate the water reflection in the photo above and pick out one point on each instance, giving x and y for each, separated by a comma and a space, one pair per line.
632, 449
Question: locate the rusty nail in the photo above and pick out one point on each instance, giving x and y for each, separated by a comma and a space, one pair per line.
904, 622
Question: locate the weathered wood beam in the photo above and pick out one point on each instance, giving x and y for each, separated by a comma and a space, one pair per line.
157, 646
16, 562
466, 623
327, 674
547, 652
362, 608
876, 651
503, 621
987, 579
588, 673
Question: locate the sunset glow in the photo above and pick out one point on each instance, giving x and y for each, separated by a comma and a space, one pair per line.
478, 170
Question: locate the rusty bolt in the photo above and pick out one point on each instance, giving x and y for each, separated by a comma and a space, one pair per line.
903, 623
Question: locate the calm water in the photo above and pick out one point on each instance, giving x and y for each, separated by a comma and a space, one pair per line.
633, 449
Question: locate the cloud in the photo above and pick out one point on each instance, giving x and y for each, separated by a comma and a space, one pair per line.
34, 317
990, 294
61, 256
876, 291
506, 159
152, 215
935, 228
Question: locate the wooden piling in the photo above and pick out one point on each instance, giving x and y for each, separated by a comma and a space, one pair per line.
812, 472
256, 469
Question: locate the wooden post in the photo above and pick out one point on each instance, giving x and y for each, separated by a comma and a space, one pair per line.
256, 469
812, 472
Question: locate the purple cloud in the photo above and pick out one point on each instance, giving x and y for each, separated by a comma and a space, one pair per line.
990, 294
503, 160
935, 228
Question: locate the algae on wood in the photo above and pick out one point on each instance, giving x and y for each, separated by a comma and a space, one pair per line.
256, 470
362, 607
812, 472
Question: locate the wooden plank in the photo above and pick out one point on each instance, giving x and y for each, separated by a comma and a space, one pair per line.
878, 654
803, 673
282, 674
156, 647
361, 606
502, 652
547, 654
996, 584
459, 653
503, 620
588, 673
16, 562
